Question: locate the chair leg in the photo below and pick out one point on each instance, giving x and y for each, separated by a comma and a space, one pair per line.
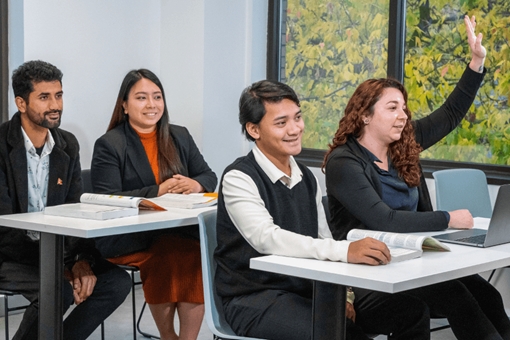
147, 335
133, 302
490, 276
6, 316
102, 330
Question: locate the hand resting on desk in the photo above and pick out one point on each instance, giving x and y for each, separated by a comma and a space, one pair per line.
461, 219
368, 251
180, 184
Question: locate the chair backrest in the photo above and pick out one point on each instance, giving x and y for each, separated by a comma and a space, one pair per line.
86, 180
213, 307
325, 204
463, 189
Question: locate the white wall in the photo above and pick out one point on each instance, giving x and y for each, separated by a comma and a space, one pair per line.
95, 43
205, 53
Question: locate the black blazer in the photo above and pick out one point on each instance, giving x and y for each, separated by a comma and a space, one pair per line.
120, 166
64, 186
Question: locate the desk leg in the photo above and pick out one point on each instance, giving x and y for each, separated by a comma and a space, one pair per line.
328, 311
51, 294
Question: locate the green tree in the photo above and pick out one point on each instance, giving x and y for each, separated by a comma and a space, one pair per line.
332, 46
436, 56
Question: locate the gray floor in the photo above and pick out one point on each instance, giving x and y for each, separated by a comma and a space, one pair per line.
119, 326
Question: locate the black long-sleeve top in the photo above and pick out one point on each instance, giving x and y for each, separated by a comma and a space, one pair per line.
353, 184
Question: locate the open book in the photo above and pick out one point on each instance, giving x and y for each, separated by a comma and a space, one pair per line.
402, 246
103, 207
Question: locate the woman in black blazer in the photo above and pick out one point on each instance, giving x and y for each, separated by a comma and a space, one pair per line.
143, 155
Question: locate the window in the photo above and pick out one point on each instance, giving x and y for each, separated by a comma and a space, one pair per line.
325, 49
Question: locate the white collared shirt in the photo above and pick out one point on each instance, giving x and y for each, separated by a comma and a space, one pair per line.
247, 211
38, 172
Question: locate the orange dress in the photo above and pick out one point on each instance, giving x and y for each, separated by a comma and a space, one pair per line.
170, 268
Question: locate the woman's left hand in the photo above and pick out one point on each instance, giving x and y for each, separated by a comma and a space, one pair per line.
478, 51
180, 184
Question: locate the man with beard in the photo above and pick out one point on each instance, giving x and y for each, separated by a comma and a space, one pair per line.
40, 166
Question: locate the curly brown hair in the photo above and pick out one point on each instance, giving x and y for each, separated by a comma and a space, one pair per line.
404, 153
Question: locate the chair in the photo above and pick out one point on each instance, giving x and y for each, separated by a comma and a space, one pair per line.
86, 180
213, 308
5, 294
87, 187
463, 189
136, 323
326, 208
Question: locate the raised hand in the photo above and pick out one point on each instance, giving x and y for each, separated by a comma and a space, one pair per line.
478, 51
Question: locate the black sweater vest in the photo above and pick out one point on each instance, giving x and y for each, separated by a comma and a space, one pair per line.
292, 209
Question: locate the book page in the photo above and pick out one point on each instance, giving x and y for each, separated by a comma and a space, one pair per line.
402, 254
120, 201
190, 201
391, 239
113, 200
149, 205
409, 241
433, 244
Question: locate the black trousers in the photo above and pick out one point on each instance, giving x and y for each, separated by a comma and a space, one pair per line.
112, 286
281, 315
473, 307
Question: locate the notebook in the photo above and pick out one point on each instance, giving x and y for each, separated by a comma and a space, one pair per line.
499, 226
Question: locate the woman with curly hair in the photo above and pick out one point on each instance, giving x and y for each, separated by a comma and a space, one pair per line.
374, 181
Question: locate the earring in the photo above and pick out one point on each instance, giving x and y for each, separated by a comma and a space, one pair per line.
366, 121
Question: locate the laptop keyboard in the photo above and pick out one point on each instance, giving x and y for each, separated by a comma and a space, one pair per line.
479, 239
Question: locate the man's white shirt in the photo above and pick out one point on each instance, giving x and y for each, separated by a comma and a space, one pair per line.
247, 211
38, 172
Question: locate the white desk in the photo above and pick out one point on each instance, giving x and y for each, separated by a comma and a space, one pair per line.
54, 228
432, 267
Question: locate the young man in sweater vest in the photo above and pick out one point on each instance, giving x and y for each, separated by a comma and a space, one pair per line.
270, 204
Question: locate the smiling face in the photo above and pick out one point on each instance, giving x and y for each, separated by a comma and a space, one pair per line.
278, 134
388, 120
44, 106
144, 105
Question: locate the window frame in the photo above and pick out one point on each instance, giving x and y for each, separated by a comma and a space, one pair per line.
496, 174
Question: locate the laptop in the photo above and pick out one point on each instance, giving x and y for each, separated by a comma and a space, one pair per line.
499, 226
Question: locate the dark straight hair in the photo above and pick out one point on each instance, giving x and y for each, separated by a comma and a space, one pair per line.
168, 159
251, 103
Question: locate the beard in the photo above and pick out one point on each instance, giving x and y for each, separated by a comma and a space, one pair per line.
51, 123
44, 121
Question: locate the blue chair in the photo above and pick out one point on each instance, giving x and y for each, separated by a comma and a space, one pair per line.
213, 307
463, 189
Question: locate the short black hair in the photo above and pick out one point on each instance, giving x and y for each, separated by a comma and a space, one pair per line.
30, 72
251, 103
